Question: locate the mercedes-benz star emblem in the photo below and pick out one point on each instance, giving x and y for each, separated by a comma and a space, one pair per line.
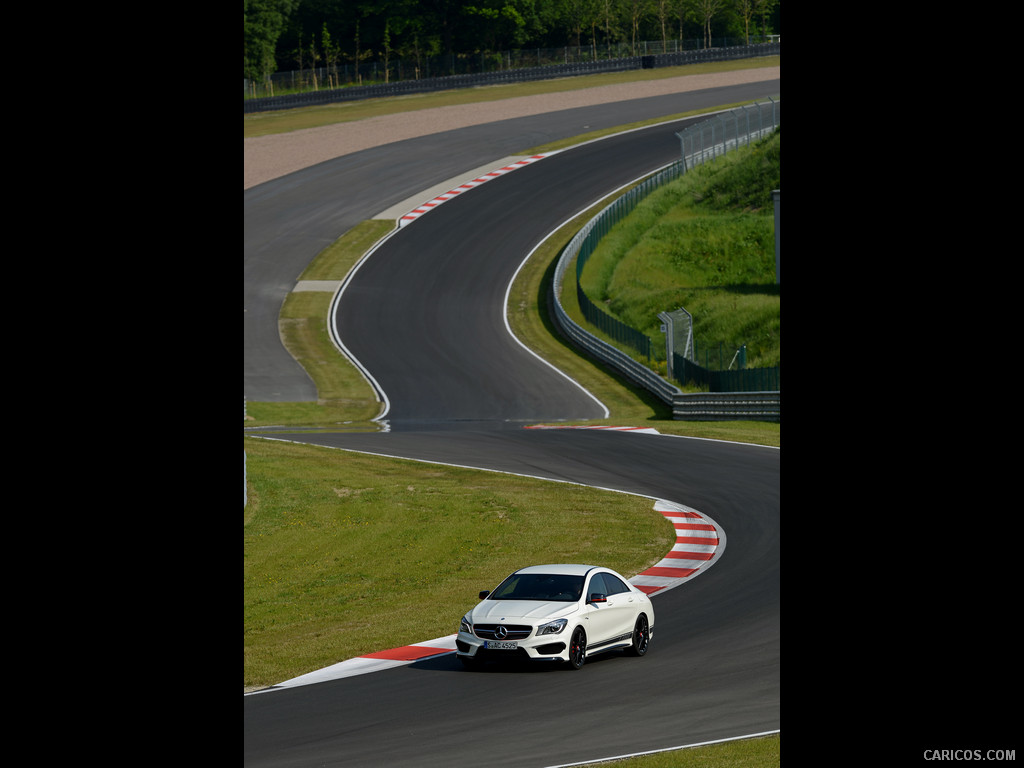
501, 632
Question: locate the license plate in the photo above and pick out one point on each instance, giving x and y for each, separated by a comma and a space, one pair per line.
499, 645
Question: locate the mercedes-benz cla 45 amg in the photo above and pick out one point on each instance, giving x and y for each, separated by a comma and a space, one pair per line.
562, 613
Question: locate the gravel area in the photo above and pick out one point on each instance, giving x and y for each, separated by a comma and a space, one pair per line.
270, 157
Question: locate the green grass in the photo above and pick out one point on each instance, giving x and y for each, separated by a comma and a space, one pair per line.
344, 395
705, 242
346, 553
762, 752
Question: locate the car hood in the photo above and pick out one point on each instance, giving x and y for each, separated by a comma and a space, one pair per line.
527, 610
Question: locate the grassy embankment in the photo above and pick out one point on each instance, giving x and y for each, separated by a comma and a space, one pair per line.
705, 242
338, 545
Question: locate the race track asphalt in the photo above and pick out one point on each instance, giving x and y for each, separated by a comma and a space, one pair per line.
713, 671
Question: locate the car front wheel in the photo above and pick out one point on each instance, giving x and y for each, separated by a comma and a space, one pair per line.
577, 648
641, 636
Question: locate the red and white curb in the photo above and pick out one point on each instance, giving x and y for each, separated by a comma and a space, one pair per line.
699, 542
371, 662
455, 192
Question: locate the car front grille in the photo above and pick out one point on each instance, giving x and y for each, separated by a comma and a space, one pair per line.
515, 631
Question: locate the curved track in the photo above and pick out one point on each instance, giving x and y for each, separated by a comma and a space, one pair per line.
713, 672
288, 221
425, 314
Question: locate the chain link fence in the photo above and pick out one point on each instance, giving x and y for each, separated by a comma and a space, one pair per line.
726, 131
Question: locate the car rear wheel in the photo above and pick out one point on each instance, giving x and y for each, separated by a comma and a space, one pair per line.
641, 636
578, 648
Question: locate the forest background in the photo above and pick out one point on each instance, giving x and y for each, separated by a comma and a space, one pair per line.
284, 35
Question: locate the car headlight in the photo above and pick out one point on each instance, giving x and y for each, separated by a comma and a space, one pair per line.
552, 627
466, 625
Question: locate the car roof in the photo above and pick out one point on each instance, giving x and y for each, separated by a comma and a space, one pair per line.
566, 569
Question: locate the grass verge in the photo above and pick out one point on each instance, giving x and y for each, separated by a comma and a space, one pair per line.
762, 752
346, 553
345, 397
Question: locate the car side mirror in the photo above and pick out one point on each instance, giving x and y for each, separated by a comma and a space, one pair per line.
597, 597
485, 593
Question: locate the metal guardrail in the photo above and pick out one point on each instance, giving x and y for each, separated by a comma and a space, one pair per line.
527, 74
728, 406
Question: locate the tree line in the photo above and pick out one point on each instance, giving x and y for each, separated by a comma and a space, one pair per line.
282, 35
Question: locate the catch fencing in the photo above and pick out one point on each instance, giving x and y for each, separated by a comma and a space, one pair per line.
726, 131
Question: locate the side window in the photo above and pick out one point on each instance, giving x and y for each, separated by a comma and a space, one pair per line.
615, 585
597, 585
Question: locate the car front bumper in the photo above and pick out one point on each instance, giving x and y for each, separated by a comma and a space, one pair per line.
543, 648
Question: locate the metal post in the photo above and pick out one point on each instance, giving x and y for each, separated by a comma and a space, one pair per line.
667, 328
776, 195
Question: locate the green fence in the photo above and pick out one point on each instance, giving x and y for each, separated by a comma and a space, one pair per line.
689, 373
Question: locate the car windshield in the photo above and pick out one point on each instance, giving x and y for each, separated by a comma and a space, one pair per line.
539, 586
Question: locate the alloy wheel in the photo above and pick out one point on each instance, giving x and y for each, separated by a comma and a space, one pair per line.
641, 636
578, 648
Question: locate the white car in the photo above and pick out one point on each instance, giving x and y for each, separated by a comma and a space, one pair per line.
557, 613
